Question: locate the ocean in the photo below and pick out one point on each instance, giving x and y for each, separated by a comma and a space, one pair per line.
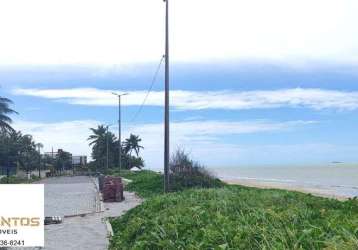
337, 179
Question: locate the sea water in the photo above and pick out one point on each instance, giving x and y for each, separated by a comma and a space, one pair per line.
339, 179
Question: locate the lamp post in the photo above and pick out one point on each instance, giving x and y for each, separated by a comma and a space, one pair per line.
107, 145
107, 150
39, 146
119, 130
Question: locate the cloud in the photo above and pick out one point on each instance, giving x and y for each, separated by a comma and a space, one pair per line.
68, 135
205, 140
197, 100
195, 136
124, 32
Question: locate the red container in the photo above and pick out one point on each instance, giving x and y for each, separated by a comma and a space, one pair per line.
112, 189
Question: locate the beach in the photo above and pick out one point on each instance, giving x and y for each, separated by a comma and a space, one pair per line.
339, 182
321, 192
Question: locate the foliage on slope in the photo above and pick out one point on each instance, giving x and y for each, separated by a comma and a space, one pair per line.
235, 217
144, 183
147, 183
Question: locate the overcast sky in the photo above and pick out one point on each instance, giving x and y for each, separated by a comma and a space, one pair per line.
120, 31
253, 82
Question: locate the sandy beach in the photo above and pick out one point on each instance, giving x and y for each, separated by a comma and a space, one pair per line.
321, 192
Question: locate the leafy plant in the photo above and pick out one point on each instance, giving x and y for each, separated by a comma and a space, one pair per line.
237, 217
5, 111
186, 173
105, 147
145, 183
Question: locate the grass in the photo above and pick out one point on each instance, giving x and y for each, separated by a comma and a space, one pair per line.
233, 217
18, 180
145, 184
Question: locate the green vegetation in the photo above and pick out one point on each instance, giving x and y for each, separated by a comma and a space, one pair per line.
145, 183
104, 141
5, 111
17, 180
17, 151
20, 151
229, 216
62, 161
233, 217
186, 173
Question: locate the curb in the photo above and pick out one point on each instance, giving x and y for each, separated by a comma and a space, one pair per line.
109, 228
81, 215
99, 198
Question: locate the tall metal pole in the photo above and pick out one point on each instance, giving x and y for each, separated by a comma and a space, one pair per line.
39, 148
107, 163
166, 112
119, 135
119, 130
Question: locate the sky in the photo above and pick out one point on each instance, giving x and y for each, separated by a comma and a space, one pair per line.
253, 83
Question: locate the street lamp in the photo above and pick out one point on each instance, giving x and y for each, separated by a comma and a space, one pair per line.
39, 146
107, 146
119, 130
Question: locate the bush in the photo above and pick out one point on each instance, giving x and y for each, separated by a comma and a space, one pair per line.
17, 180
130, 161
145, 183
186, 173
35, 177
238, 218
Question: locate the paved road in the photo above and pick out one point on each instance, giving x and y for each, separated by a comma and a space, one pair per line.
70, 196
78, 195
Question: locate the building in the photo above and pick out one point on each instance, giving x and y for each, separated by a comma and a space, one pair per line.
78, 160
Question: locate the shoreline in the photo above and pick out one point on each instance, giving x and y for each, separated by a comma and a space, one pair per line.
320, 192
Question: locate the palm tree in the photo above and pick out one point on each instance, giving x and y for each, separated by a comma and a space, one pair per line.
132, 143
5, 110
98, 136
103, 145
63, 160
98, 142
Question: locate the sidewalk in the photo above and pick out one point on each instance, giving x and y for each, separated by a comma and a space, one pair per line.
77, 195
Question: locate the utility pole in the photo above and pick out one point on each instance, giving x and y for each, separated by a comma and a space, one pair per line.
107, 149
7, 171
119, 131
39, 146
166, 108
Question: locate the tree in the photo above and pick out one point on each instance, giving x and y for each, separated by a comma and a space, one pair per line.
28, 155
9, 153
18, 150
130, 161
98, 143
98, 136
5, 110
63, 160
132, 143
103, 143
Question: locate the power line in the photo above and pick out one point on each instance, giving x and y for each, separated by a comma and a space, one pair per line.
149, 90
